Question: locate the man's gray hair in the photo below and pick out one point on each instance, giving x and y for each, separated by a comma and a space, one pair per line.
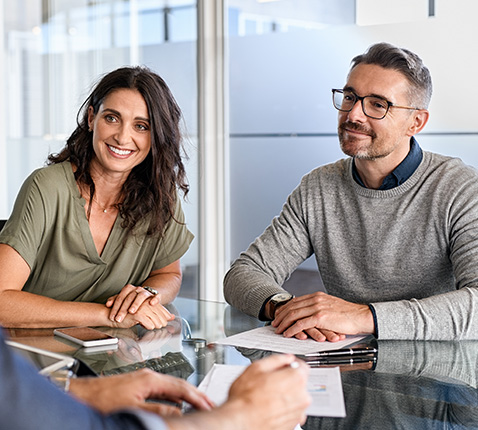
404, 61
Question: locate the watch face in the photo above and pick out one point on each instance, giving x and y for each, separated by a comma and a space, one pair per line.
281, 297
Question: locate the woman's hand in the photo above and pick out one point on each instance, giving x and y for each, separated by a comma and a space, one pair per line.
135, 305
129, 300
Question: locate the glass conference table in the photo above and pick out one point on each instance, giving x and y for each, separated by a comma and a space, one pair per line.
414, 385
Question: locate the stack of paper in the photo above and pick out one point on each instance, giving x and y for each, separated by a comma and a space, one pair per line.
324, 386
266, 338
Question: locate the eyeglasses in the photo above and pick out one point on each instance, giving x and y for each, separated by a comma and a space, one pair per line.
373, 106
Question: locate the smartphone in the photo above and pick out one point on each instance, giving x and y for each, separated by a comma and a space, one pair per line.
86, 336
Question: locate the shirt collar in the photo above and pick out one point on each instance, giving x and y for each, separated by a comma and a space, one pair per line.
402, 172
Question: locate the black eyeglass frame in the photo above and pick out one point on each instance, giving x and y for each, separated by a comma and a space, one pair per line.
361, 99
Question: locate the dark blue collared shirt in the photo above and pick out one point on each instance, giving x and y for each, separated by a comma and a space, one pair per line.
402, 172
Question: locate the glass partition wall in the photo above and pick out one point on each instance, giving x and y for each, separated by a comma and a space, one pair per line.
55, 50
278, 61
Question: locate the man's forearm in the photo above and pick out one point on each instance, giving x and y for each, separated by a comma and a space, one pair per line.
247, 288
448, 316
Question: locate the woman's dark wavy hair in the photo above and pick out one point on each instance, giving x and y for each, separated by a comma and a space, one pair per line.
151, 187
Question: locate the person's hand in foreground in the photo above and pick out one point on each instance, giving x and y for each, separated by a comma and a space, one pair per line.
131, 390
269, 395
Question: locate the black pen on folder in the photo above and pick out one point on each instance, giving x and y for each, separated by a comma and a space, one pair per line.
342, 360
343, 352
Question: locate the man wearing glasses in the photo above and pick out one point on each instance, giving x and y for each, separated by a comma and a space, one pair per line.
394, 229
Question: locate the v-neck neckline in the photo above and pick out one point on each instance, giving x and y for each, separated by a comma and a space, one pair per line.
84, 226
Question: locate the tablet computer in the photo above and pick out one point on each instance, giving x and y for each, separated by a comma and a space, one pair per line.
45, 361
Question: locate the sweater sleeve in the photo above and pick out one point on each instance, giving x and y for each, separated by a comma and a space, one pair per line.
452, 315
269, 261
448, 316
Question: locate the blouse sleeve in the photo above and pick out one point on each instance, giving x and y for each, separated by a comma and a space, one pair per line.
25, 227
175, 241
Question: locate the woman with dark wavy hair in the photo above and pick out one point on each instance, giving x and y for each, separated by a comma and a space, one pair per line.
95, 237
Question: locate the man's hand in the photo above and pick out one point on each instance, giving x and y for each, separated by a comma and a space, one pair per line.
131, 390
322, 317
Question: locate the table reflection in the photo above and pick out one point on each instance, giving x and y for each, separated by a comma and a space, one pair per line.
414, 384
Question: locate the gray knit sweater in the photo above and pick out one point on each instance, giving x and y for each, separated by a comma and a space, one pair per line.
411, 251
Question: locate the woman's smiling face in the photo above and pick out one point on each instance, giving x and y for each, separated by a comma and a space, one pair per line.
121, 132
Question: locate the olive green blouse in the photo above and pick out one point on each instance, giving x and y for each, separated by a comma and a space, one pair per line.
49, 229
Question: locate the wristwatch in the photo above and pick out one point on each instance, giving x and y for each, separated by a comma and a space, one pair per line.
277, 300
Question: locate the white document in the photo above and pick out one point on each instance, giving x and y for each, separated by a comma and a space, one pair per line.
265, 338
324, 386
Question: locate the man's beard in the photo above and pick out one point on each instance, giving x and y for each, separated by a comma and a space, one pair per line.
367, 153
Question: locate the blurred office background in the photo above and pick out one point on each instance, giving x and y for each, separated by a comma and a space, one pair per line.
253, 79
